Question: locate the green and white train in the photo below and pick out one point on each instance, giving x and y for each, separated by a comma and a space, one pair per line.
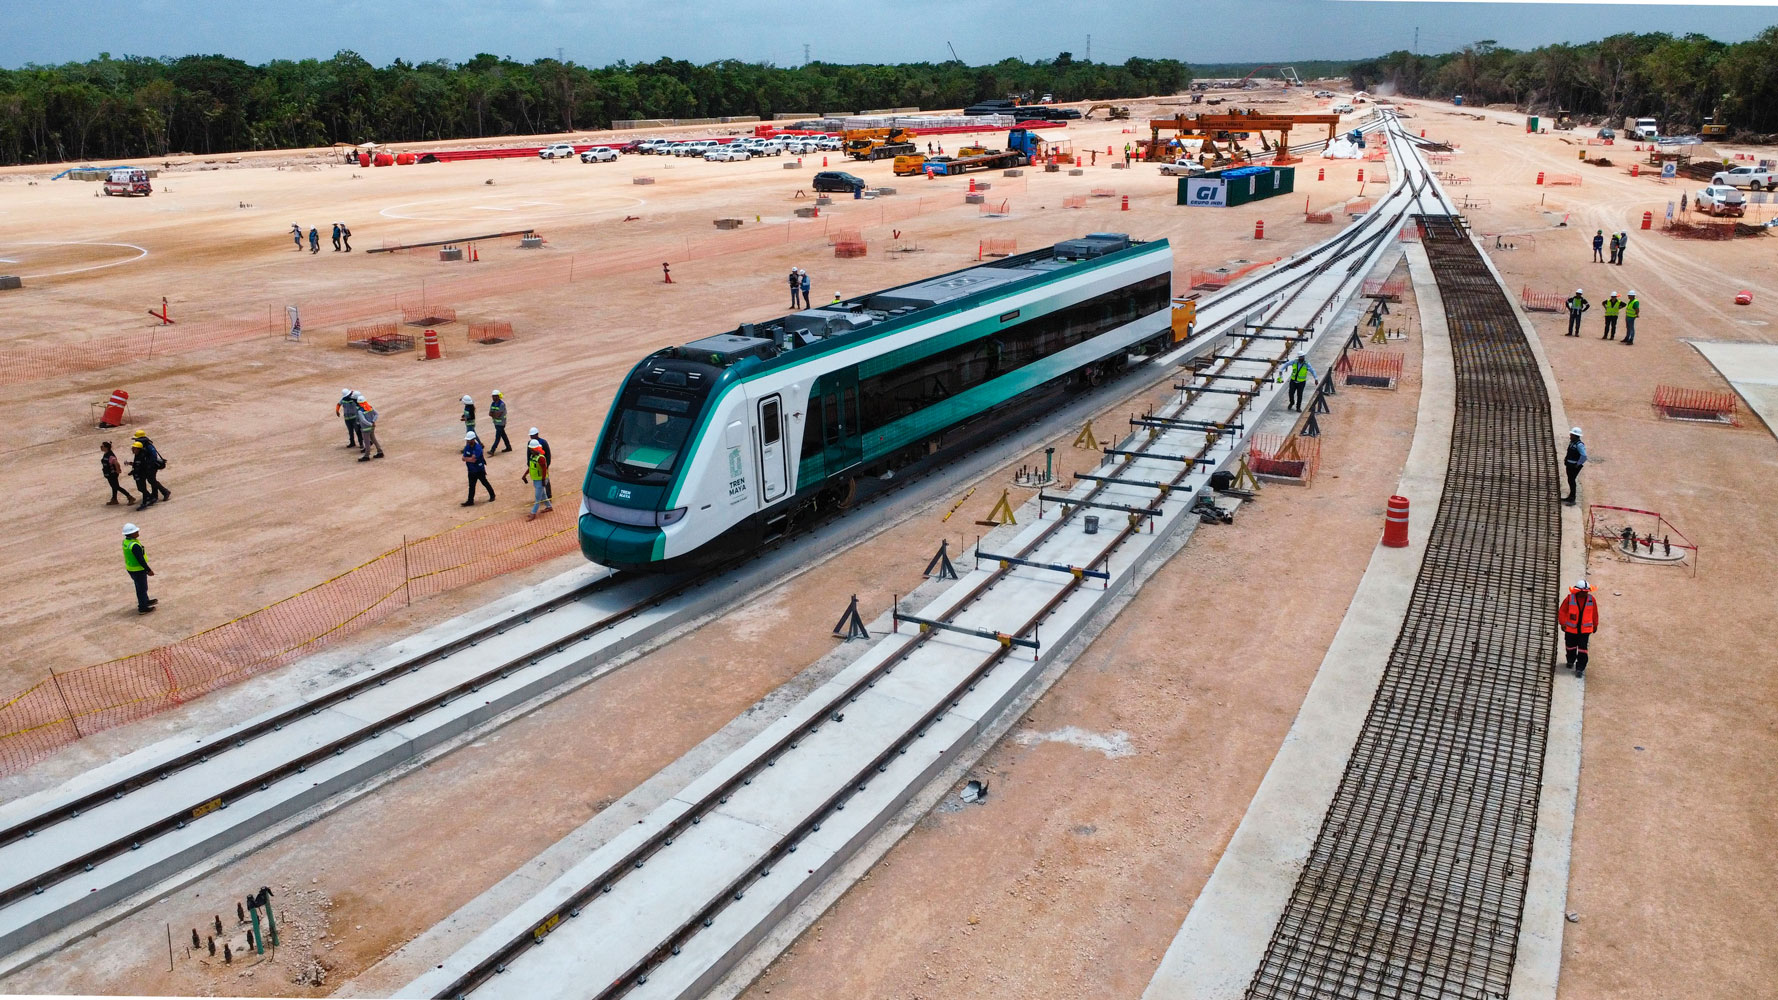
717, 445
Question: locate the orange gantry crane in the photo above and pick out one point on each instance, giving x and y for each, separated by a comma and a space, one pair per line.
1228, 125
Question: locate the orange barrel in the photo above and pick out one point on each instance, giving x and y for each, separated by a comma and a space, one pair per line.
364, 159
404, 159
1395, 523
1648, 219
432, 351
1126, 206
383, 160
972, 185
1540, 177
1361, 175
1635, 170
1422, 133
1321, 173
113, 416
1259, 229
1742, 298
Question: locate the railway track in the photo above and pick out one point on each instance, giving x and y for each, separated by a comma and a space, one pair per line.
665, 909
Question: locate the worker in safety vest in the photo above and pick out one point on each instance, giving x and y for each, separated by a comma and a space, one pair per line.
1298, 375
1612, 305
347, 410
1578, 616
1573, 460
367, 428
497, 413
468, 416
1577, 304
537, 474
135, 561
1632, 309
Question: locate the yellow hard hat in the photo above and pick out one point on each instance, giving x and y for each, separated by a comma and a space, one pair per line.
139, 432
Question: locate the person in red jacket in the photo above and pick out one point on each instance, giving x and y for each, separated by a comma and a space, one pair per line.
1578, 616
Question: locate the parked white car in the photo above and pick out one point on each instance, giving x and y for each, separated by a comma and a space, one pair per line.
652, 146
727, 153
695, 147
1342, 109
1748, 176
557, 151
1721, 200
599, 154
829, 143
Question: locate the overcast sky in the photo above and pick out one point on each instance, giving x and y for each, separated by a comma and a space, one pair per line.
597, 32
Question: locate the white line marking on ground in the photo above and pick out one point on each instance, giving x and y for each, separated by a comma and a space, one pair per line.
1114, 744
140, 253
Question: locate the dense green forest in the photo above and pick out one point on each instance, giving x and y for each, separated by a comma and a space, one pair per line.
113, 108
1679, 80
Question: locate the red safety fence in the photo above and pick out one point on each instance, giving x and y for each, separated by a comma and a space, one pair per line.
1075, 201
497, 332
838, 236
1282, 456
27, 362
1535, 301
1409, 234
854, 248
1358, 206
424, 313
1640, 533
1321, 218
1370, 369
1210, 280
1706, 405
1391, 287
67, 706
996, 248
375, 333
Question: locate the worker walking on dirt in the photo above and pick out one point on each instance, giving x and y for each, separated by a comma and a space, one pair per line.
367, 428
346, 236
1599, 246
497, 413
112, 468
476, 464
1577, 304
296, 233
1298, 376
314, 240
541, 441
151, 463
1573, 460
537, 474
347, 409
468, 416
1632, 309
135, 562
1612, 306
1578, 617
336, 237
803, 283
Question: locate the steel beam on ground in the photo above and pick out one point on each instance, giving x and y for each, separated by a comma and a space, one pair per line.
1002, 638
1204, 388
1152, 484
1097, 574
1096, 505
1165, 458
1202, 425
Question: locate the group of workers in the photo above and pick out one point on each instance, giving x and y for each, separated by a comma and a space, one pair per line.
342, 238
146, 463
799, 288
1619, 243
1613, 307
475, 455
361, 423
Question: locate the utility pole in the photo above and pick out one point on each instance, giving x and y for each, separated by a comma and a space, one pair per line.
1416, 39
1089, 47
805, 53
558, 53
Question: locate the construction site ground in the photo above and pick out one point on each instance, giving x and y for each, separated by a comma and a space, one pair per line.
1111, 802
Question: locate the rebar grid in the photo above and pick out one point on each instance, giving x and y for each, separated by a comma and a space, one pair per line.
1416, 883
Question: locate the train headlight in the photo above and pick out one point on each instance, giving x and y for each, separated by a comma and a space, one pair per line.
667, 517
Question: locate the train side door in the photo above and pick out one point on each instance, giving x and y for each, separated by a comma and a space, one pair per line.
774, 472
839, 421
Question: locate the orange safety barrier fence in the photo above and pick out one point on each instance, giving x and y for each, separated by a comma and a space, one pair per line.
1375, 369
997, 248
1391, 287
1711, 405
851, 249
1535, 301
498, 332
28, 362
1221, 278
427, 314
838, 236
1284, 456
1358, 206
65, 707
366, 336
1409, 234
1075, 201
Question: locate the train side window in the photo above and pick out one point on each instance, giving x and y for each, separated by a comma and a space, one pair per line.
772, 426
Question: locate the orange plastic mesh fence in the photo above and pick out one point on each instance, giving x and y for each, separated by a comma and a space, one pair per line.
1318, 217
361, 336
1075, 201
490, 333
427, 314
1284, 456
1104, 192
65, 707
837, 236
850, 249
1535, 301
26, 362
1219, 278
1000, 248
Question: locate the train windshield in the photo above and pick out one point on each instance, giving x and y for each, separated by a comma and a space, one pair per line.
649, 431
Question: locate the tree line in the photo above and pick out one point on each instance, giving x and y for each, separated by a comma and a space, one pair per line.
110, 108
1681, 80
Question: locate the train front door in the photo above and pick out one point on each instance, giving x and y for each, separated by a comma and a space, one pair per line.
773, 474
839, 421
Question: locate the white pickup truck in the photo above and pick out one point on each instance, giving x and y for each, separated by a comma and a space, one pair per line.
1750, 177
1182, 168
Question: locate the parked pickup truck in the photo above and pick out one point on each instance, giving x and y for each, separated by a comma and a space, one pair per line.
1182, 168
1721, 201
1747, 177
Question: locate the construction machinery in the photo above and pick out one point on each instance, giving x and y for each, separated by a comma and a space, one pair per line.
877, 143
1021, 148
1714, 126
1232, 126
1115, 112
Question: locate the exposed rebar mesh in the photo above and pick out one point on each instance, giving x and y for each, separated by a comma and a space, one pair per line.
1416, 883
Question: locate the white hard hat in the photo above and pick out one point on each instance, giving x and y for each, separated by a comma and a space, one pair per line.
496, 392
1614, 291
533, 432
1574, 431
130, 529
468, 399
1632, 291
469, 435
358, 396
1577, 291
345, 392
1581, 585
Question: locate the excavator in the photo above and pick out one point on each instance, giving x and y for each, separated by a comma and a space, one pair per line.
877, 143
1115, 112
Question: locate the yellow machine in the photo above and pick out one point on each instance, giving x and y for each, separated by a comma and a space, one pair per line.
862, 140
1714, 126
1115, 112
